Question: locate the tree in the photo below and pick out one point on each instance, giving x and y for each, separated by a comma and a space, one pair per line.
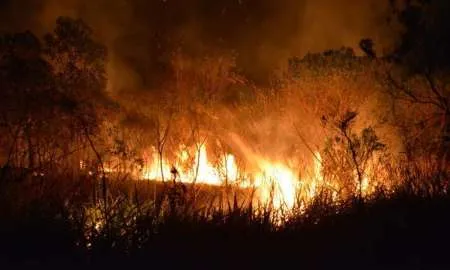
28, 98
53, 97
416, 71
348, 155
79, 66
79, 63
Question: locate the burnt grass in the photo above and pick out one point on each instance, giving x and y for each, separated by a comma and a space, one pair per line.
409, 229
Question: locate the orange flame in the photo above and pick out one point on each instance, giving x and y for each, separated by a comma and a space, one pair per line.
202, 171
275, 182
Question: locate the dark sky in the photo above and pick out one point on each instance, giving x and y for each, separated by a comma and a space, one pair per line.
140, 34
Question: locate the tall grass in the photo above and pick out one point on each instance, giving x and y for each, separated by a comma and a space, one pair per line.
53, 220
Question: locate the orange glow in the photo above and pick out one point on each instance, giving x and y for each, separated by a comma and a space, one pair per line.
276, 184
274, 181
201, 171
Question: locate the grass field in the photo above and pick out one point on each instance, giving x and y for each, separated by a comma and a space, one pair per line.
57, 223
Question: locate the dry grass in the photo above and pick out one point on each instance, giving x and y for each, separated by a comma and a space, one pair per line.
59, 221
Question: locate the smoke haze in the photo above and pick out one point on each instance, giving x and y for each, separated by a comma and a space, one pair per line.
141, 35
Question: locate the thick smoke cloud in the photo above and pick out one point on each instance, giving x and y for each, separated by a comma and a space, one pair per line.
142, 34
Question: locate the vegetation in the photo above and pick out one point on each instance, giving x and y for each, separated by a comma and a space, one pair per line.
391, 229
369, 133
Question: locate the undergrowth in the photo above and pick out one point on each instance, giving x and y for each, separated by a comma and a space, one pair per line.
57, 222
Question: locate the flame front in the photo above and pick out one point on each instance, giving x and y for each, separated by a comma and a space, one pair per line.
274, 182
201, 171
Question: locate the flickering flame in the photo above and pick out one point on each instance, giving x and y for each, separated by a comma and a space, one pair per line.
364, 185
275, 182
231, 168
316, 177
201, 171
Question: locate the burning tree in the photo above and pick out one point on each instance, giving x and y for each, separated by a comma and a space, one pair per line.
348, 156
333, 88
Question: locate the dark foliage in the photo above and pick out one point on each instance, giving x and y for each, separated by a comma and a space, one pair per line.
403, 230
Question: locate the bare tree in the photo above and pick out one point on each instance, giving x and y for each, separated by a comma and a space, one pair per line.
416, 72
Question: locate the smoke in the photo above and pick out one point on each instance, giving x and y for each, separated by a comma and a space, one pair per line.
141, 34
329, 24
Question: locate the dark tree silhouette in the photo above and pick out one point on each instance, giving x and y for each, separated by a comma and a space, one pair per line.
27, 97
416, 70
53, 95
79, 66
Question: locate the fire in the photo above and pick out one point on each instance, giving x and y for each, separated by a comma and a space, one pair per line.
201, 171
204, 172
231, 168
276, 184
274, 181
317, 176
